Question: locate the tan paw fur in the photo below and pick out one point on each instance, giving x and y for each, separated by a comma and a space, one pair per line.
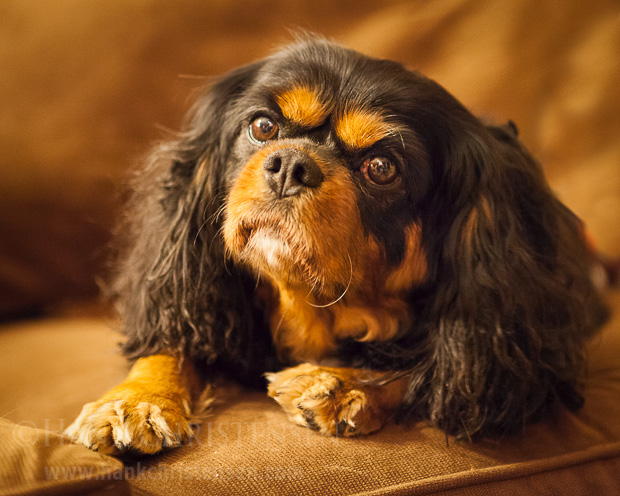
330, 400
117, 426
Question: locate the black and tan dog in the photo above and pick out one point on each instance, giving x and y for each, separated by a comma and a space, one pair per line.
348, 219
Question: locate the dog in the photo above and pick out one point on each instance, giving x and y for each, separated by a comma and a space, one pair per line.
346, 229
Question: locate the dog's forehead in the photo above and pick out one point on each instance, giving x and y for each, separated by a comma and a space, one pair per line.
315, 84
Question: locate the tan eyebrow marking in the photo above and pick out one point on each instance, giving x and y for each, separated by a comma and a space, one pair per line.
361, 128
303, 105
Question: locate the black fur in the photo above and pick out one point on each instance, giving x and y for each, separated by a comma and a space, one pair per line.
499, 326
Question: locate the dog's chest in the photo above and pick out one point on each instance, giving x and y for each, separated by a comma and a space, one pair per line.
302, 332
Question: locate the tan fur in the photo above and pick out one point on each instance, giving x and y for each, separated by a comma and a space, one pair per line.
325, 281
147, 412
479, 214
359, 128
304, 332
337, 401
413, 269
300, 331
303, 105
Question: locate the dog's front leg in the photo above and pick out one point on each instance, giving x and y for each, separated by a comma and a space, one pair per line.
338, 401
149, 411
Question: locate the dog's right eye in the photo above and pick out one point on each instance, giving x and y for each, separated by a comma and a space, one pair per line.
262, 129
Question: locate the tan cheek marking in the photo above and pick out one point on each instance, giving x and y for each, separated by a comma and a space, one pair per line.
303, 106
248, 191
322, 230
360, 128
413, 269
334, 222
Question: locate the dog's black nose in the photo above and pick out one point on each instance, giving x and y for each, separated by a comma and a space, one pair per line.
289, 171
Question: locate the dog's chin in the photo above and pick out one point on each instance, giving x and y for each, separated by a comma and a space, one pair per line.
284, 257
267, 251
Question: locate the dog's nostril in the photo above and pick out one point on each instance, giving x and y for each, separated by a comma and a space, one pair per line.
277, 164
274, 165
308, 174
298, 173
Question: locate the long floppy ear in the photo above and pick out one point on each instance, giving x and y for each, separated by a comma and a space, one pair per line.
173, 288
513, 300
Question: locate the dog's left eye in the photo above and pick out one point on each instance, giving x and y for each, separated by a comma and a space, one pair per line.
380, 170
263, 129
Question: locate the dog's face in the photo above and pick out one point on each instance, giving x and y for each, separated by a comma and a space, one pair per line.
327, 173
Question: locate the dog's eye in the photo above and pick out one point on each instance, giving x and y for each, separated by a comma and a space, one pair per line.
380, 170
263, 129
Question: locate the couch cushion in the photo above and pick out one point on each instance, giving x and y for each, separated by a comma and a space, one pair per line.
51, 367
34, 461
247, 444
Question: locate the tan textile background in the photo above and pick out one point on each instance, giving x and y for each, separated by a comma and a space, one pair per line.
248, 446
85, 87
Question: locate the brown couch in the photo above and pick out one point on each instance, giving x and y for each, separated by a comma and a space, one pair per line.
87, 86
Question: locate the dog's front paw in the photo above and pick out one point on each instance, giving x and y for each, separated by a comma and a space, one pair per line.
330, 400
131, 424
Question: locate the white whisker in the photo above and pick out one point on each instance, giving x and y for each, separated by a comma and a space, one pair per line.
343, 293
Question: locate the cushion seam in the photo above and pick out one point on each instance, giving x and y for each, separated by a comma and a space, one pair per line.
520, 470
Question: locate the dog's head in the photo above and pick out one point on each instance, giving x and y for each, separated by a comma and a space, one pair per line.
327, 172
352, 180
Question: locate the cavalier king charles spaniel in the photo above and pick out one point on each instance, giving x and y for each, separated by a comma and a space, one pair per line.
346, 229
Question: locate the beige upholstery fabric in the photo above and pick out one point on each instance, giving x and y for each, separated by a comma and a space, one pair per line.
34, 461
247, 445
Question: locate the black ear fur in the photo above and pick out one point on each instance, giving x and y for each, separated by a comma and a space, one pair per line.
512, 298
174, 292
